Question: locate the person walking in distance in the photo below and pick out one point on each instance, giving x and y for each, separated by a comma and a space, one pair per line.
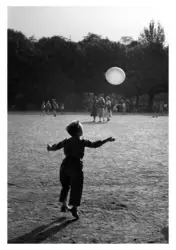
54, 107
94, 108
161, 108
43, 106
101, 107
108, 112
48, 107
155, 109
62, 108
123, 107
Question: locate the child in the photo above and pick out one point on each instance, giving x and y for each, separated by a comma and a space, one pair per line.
71, 170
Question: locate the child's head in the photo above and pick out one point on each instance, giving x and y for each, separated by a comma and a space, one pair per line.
75, 129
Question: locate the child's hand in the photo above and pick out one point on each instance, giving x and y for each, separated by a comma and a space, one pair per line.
111, 139
48, 147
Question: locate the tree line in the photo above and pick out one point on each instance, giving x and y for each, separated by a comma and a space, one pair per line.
56, 67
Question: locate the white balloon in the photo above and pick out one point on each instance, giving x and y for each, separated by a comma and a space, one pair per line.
115, 75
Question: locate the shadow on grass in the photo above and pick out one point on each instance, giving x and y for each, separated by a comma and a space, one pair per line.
165, 233
42, 233
93, 123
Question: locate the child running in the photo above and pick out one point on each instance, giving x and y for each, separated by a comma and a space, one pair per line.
71, 169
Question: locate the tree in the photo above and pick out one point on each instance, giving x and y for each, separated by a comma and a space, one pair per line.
126, 40
153, 34
56, 66
157, 60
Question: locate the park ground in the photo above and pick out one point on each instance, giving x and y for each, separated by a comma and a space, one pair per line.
125, 196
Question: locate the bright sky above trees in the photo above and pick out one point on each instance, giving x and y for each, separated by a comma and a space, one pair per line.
76, 22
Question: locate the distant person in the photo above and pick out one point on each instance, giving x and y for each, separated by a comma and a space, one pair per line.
62, 108
165, 107
115, 108
100, 108
127, 106
123, 107
54, 106
155, 109
108, 112
71, 169
94, 108
43, 106
161, 108
119, 107
48, 107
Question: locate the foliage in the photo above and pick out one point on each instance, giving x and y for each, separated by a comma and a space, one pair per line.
57, 67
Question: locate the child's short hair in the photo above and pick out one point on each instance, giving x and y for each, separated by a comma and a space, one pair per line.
74, 128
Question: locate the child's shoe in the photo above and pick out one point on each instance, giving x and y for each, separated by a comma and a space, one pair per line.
64, 208
74, 212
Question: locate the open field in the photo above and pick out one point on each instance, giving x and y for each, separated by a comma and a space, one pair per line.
125, 195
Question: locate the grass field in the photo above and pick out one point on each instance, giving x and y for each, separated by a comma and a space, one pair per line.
125, 196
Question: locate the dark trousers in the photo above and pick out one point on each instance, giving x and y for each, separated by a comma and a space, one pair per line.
71, 178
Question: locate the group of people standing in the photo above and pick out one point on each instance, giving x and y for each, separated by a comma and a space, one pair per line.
101, 108
51, 106
158, 108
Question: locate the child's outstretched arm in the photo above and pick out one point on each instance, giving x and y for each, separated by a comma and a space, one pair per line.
57, 146
98, 143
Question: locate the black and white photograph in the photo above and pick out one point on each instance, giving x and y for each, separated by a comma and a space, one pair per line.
87, 125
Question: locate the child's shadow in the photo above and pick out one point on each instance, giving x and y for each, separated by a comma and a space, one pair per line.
42, 233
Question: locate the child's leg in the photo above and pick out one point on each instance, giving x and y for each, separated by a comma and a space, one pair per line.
76, 193
65, 182
76, 189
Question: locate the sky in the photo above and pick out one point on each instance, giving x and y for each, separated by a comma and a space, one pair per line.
76, 22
